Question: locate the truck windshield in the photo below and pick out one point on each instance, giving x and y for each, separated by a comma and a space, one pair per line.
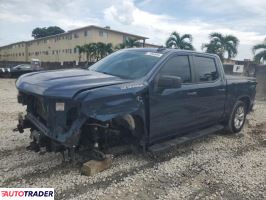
127, 64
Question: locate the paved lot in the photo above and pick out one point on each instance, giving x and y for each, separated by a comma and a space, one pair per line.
219, 166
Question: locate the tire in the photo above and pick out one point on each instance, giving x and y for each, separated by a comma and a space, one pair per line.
237, 117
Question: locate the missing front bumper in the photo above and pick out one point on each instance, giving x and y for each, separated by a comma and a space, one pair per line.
69, 138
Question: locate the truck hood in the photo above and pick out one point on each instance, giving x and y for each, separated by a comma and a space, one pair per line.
65, 83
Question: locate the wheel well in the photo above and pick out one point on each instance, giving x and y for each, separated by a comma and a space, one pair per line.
135, 124
246, 100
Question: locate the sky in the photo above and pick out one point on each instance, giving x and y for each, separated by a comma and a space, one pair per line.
155, 19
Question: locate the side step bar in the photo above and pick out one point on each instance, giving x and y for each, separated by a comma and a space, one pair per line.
159, 147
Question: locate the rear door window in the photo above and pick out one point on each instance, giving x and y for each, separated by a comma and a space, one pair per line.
206, 70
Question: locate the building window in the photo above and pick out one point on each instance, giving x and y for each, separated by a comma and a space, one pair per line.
75, 50
63, 51
86, 33
76, 35
103, 34
70, 50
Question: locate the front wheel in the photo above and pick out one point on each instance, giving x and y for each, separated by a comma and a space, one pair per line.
237, 118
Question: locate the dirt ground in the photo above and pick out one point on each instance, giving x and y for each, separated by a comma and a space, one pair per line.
219, 166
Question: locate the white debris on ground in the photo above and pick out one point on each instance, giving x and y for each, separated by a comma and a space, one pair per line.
219, 166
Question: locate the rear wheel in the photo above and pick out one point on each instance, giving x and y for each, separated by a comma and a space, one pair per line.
237, 118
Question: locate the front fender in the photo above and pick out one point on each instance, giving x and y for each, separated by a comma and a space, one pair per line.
114, 101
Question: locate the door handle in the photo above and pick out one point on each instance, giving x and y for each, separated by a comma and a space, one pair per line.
221, 89
192, 93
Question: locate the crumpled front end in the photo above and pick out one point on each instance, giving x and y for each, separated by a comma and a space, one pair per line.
57, 119
92, 121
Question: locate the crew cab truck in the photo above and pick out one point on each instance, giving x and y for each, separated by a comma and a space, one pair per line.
148, 98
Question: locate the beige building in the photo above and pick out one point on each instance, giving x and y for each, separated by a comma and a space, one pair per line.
62, 47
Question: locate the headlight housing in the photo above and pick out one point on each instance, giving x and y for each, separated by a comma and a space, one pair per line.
8, 69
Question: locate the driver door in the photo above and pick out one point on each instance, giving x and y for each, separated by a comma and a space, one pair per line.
172, 110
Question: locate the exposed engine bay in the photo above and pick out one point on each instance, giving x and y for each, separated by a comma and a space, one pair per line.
51, 122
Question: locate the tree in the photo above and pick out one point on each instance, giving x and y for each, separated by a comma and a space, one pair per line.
214, 48
129, 43
100, 50
44, 32
96, 50
178, 41
90, 50
221, 45
259, 51
108, 49
120, 46
81, 50
132, 42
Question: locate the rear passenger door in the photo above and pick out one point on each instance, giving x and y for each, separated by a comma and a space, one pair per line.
210, 92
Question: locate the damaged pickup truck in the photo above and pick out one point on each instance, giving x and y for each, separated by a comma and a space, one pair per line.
147, 98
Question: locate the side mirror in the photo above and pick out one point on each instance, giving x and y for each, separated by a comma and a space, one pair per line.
167, 81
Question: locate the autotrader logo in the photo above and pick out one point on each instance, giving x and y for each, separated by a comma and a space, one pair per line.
27, 193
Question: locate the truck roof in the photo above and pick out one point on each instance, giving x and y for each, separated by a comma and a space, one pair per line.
164, 50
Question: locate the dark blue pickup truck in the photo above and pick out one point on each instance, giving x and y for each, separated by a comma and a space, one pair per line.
148, 98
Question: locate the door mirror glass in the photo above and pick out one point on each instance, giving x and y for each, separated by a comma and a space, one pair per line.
167, 81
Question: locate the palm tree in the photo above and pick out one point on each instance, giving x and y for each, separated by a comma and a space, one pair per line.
81, 50
108, 49
100, 50
132, 42
221, 45
129, 43
178, 41
214, 48
120, 46
261, 55
90, 50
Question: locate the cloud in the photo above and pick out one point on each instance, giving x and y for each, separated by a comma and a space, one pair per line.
159, 26
122, 13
